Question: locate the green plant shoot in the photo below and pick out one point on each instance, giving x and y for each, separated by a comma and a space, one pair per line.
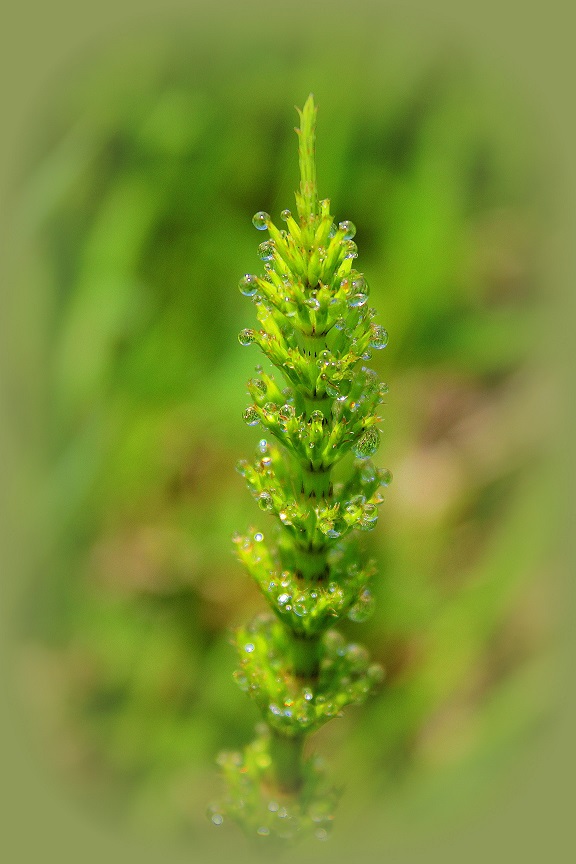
318, 329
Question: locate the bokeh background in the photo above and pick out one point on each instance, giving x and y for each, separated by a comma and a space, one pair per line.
136, 197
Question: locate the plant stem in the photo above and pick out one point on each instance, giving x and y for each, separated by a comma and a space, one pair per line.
286, 753
305, 655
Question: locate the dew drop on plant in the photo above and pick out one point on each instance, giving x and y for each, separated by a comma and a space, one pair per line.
362, 608
367, 444
356, 301
249, 647
242, 466
300, 606
316, 417
313, 303
266, 250
321, 834
283, 599
217, 818
308, 694
273, 806
385, 477
263, 831
241, 681
378, 337
340, 323
263, 445
348, 228
370, 512
265, 501
285, 215
248, 285
258, 537
350, 249
260, 220
258, 385
367, 473
246, 337
250, 416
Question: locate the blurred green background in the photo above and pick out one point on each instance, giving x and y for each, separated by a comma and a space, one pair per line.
137, 198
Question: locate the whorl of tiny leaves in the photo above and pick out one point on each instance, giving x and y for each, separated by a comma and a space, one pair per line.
317, 329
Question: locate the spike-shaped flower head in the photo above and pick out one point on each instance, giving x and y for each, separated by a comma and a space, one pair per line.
317, 328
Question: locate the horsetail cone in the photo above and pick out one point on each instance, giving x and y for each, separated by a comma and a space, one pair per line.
317, 329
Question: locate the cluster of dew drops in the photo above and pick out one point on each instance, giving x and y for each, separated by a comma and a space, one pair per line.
248, 284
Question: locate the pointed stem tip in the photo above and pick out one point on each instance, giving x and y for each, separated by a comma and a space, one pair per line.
307, 200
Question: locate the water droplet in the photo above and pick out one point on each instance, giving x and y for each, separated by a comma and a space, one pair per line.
262, 446
288, 411
274, 709
375, 673
217, 818
248, 285
370, 512
246, 337
285, 215
273, 806
265, 501
356, 301
300, 605
350, 249
260, 220
378, 337
250, 416
258, 537
242, 467
263, 831
266, 250
313, 303
316, 417
367, 444
362, 608
249, 647
321, 834
383, 390
354, 506
367, 473
340, 323
283, 599
241, 680
349, 229
385, 477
